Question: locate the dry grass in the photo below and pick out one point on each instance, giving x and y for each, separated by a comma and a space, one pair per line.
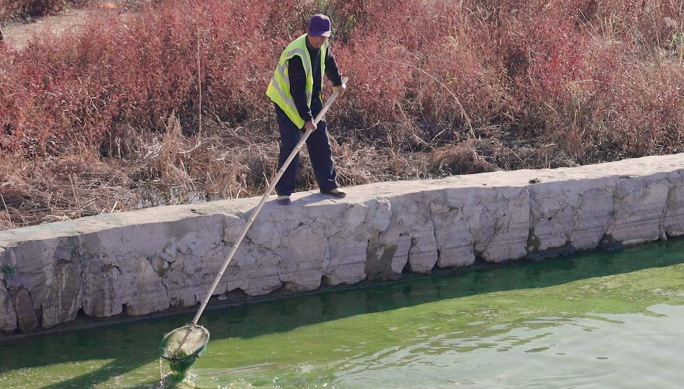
166, 105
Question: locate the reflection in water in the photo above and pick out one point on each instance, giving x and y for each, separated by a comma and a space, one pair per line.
594, 320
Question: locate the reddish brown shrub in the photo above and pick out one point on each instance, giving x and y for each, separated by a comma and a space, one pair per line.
10, 9
475, 84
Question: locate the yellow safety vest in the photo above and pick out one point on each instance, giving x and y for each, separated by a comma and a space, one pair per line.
279, 88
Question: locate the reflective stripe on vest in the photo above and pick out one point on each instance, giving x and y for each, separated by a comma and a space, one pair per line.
279, 87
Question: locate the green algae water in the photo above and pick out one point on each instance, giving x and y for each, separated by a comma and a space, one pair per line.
597, 320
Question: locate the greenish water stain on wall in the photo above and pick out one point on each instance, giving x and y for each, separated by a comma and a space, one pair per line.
592, 320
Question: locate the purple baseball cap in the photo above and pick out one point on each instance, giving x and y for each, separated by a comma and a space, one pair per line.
319, 25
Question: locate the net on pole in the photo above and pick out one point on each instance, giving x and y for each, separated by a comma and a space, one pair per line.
182, 346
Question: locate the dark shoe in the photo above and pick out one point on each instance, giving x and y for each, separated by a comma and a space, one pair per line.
284, 200
335, 193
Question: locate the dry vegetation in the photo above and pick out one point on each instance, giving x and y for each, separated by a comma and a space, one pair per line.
167, 104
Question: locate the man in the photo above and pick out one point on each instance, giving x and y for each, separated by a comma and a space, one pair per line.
296, 91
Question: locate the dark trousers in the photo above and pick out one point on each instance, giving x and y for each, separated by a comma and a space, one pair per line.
319, 149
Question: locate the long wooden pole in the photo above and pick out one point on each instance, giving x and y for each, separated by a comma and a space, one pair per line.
289, 159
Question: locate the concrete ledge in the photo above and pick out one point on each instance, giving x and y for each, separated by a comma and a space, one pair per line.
160, 259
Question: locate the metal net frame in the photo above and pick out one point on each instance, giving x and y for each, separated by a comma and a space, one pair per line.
182, 346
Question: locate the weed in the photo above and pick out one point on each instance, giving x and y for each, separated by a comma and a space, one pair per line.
167, 103
9, 270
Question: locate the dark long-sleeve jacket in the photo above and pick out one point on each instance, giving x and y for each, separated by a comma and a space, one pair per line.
298, 80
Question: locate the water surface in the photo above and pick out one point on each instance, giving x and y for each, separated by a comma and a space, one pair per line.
597, 320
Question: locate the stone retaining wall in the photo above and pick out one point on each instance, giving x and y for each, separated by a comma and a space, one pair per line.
159, 259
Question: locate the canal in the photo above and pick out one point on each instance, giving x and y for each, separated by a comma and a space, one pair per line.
592, 320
